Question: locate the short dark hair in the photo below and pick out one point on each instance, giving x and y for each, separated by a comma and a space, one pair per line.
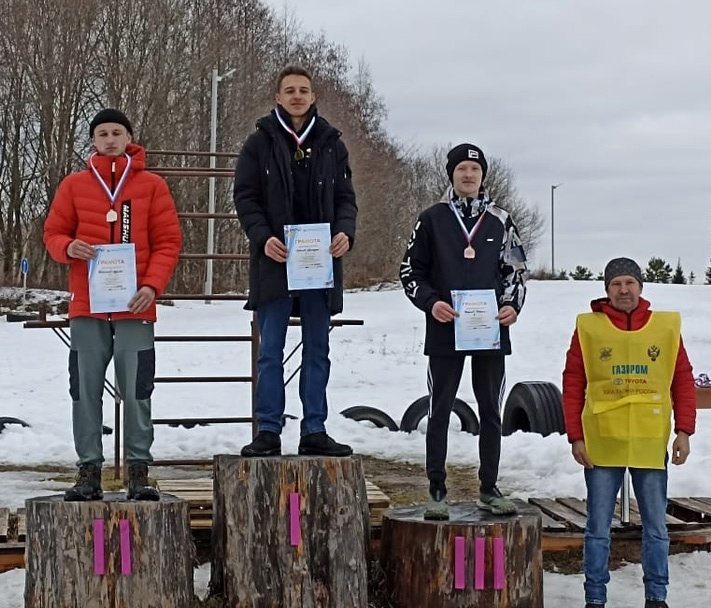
292, 70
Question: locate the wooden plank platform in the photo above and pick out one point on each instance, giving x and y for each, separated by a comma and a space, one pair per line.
198, 493
12, 537
688, 522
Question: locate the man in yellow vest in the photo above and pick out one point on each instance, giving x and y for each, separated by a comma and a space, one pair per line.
627, 375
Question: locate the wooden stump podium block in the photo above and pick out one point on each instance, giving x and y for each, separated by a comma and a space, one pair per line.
109, 553
290, 532
475, 559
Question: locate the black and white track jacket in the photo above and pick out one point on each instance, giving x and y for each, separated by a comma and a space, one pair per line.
434, 264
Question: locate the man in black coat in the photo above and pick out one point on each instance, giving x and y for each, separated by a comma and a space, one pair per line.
464, 242
293, 170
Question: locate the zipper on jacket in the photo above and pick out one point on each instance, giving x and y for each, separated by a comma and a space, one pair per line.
113, 185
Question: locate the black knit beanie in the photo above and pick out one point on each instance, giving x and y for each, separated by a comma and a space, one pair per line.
622, 267
110, 115
464, 152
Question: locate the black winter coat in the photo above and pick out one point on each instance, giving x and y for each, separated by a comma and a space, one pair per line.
264, 199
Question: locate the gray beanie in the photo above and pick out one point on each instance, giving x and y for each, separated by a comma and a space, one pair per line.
622, 267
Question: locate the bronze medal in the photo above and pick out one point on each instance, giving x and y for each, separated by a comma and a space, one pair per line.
299, 154
111, 216
469, 252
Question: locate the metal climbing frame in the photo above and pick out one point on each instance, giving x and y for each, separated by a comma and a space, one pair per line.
60, 328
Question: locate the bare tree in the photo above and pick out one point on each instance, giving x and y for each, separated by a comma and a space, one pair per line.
500, 183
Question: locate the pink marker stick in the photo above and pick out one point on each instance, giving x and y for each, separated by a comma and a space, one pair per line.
479, 550
295, 523
499, 568
99, 548
125, 539
459, 562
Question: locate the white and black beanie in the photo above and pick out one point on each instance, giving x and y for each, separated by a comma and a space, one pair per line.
464, 152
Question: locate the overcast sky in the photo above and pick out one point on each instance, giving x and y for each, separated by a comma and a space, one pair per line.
611, 98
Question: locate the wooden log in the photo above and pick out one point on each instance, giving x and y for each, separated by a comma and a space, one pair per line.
475, 559
290, 532
110, 552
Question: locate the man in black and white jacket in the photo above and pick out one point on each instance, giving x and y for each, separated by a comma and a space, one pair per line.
464, 242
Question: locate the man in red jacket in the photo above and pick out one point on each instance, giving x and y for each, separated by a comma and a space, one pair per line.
113, 201
626, 376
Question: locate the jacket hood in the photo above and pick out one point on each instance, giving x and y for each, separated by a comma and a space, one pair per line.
603, 305
136, 152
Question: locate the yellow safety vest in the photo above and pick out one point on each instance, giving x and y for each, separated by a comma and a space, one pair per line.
627, 413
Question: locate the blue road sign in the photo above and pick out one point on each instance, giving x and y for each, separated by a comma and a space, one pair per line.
24, 265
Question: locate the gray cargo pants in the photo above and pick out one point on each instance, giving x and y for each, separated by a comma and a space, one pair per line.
131, 344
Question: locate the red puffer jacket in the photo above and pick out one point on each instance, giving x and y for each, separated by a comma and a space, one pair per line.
146, 217
683, 391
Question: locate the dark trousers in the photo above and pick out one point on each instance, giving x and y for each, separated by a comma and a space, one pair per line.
488, 381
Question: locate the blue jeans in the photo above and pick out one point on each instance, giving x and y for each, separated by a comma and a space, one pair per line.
273, 319
650, 489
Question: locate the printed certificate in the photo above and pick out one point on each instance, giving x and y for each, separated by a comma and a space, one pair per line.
112, 278
476, 327
309, 264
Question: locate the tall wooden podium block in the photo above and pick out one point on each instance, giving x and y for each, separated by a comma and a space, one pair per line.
290, 532
108, 553
475, 559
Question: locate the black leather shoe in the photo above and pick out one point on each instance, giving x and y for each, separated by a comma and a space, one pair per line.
265, 443
589, 605
320, 444
654, 604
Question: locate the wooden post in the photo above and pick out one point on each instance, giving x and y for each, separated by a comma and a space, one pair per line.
110, 552
290, 532
475, 559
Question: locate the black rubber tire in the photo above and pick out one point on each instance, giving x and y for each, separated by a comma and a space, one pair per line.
5, 420
368, 413
419, 408
534, 407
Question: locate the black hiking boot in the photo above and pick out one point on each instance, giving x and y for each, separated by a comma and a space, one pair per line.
87, 486
138, 486
320, 444
265, 443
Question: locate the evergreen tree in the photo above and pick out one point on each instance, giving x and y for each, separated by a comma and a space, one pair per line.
657, 271
707, 276
678, 278
692, 278
581, 273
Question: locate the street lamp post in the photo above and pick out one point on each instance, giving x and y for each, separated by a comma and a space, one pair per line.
211, 182
553, 188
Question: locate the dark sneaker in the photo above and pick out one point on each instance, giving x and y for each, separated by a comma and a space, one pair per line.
437, 508
655, 604
493, 500
589, 605
320, 444
87, 486
265, 443
138, 486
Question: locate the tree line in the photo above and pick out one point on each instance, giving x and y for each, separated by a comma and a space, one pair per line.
657, 270
63, 60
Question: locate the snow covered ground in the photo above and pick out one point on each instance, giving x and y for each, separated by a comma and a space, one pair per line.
379, 364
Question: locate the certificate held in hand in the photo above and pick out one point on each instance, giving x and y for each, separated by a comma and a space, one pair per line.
309, 264
476, 327
112, 278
